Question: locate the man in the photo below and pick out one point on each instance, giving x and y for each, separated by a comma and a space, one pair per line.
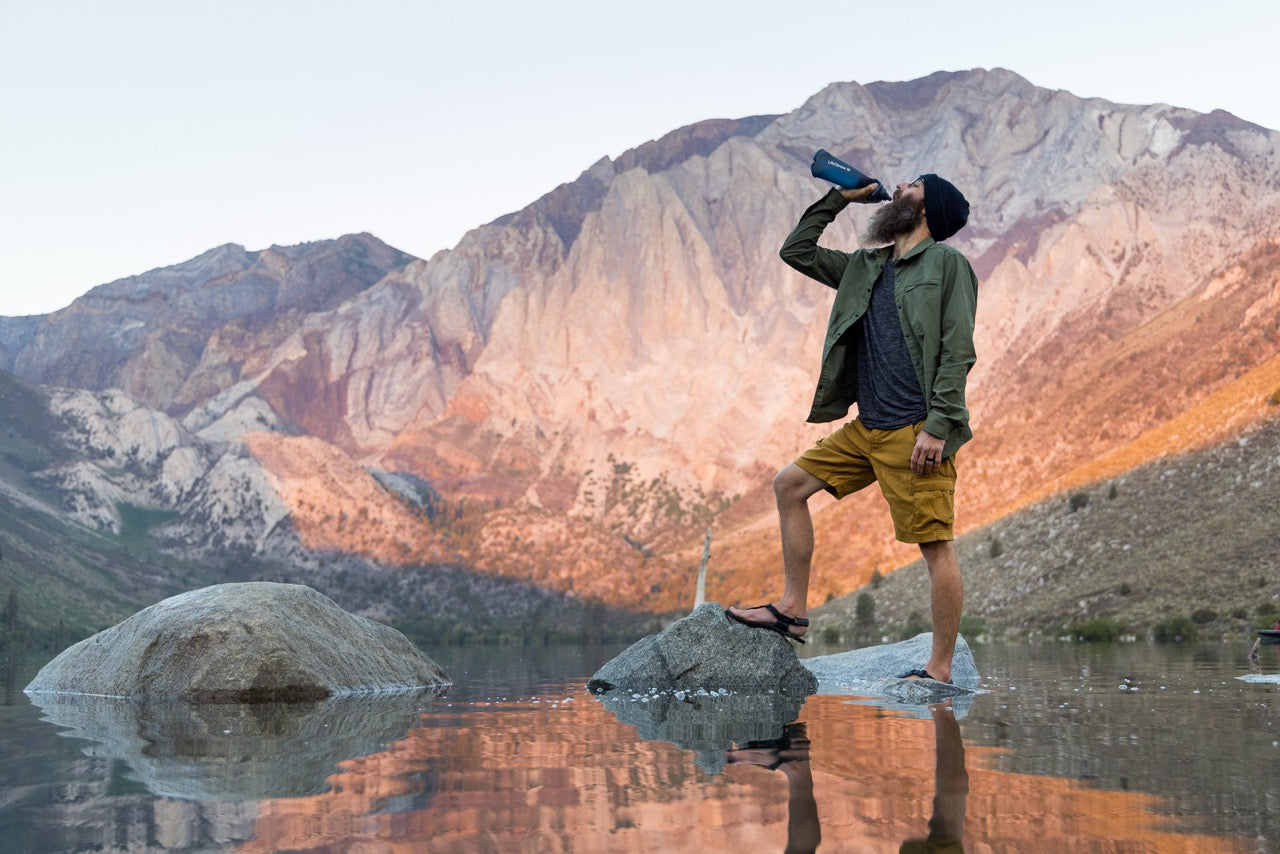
900, 344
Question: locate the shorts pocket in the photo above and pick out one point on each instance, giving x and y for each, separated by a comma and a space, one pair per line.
934, 513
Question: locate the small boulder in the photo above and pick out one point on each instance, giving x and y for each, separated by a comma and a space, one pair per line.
872, 671
251, 642
706, 650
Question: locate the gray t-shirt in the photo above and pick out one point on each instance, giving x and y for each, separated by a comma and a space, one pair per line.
889, 394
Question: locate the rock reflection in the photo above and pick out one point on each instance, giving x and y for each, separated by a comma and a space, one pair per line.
704, 722
234, 751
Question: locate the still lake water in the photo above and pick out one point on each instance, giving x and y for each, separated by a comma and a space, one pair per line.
1073, 748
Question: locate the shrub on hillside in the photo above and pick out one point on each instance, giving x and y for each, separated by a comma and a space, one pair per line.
1097, 630
1175, 630
915, 624
864, 610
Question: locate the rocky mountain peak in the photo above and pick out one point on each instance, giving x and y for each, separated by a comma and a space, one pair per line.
159, 334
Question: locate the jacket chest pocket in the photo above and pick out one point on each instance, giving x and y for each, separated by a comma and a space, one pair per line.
920, 305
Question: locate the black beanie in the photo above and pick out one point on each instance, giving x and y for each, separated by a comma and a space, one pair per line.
946, 210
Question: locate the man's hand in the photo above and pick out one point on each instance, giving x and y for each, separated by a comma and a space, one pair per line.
926, 456
861, 194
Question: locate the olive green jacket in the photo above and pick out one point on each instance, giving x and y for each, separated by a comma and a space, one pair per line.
936, 293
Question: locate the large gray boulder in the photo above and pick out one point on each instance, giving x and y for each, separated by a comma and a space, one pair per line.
706, 650
252, 642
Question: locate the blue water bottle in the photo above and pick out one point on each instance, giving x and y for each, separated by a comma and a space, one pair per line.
835, 170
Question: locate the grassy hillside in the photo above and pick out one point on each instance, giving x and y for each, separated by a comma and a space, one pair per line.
58, 580
61, 582
1187, 543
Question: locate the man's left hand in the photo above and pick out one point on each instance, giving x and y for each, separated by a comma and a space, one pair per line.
926, 457
861, 194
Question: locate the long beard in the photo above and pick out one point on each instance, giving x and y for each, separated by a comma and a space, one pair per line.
898, 217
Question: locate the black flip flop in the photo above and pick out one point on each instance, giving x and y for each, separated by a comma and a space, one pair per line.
922, 674
793, 740
780, 623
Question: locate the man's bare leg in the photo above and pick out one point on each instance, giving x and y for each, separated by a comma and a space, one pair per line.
792, 489
946, 597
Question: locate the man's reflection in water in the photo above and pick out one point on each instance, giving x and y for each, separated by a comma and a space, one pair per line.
950, 788
790, 753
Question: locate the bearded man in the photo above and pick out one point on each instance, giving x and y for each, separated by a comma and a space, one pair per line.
900, 344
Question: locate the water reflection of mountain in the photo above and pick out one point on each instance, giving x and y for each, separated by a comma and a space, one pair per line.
567, 776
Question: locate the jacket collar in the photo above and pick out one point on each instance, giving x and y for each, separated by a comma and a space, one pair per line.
918, 249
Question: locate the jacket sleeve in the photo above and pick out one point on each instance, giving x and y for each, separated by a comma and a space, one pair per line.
801, 250
947, 409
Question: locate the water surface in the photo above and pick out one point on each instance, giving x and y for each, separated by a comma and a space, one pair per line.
1072, 748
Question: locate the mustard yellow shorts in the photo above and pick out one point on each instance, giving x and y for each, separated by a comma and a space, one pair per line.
854, 457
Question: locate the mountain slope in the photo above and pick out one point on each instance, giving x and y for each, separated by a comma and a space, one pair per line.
1189, 532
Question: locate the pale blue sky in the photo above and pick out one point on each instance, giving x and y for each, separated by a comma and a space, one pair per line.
135, 134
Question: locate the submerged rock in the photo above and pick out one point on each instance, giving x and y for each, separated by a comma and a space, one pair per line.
251, 642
